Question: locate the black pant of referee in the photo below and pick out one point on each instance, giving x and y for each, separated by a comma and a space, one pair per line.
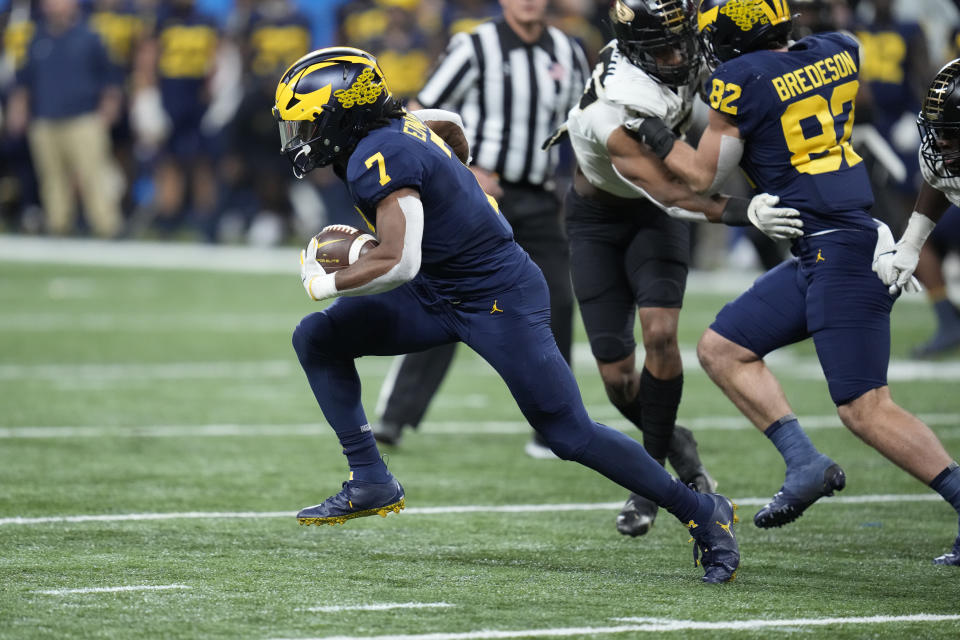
535, 214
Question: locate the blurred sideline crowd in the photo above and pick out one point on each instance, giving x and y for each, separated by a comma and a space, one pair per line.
151, 118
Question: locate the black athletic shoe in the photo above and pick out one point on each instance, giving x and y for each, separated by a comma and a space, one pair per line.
637, 516
715, 544
685, 460
818, 479
388, 433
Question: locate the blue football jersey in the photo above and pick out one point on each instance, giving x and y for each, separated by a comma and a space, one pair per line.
795, 112
467, 248
887, 51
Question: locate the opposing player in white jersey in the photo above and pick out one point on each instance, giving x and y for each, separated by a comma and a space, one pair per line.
629, 246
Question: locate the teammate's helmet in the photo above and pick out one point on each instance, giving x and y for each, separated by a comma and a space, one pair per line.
939, 123
659, 37
326, 102
731, 28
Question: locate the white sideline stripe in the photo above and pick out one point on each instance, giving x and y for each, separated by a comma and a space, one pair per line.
432, 511
452, 427
145, 587
654, 625
379, 607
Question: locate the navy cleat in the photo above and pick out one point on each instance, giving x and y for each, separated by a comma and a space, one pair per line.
637, 516
951, 559
356, 500
943, 341
822, 478
715, 544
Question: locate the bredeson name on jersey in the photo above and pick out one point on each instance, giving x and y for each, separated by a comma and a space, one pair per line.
813, 76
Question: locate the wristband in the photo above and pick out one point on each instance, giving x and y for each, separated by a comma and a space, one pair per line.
656, 135
735, 212
322, 286
918, 228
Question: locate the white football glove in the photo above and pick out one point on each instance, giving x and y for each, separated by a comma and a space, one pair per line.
319, 284
894, 263
779, 223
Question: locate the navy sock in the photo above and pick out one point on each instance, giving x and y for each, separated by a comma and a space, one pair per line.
624, 460
947, 484
791, 441
336, 386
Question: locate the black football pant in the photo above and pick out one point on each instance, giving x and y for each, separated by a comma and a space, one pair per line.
537, 221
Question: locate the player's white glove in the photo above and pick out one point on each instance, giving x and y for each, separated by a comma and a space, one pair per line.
319, 284
893, 263
779, 223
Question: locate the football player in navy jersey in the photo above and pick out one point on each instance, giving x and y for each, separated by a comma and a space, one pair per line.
784, 114
446, 270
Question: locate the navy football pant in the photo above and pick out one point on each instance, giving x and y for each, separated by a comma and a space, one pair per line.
511, 331
829, 293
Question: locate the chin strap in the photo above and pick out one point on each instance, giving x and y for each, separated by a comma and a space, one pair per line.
302, 164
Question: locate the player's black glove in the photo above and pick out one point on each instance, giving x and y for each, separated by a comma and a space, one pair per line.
654, 133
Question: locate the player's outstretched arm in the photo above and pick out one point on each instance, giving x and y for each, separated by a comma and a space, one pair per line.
393, 262
703, 169
638, 164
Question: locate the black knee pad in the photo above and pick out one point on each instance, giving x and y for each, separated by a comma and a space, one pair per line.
612, 347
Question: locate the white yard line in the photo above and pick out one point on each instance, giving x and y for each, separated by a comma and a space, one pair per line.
384, 606
655, 625
447, 427
434, 511
145, 587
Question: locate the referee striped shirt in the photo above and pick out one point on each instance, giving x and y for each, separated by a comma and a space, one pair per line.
510, 94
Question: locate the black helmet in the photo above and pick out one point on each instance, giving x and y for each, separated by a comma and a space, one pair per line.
326, 102
731, 28
659, 37
939, 123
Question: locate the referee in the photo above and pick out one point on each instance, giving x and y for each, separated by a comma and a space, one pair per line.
513, 80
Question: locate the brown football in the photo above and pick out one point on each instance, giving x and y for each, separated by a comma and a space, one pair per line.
453, 136
340, 245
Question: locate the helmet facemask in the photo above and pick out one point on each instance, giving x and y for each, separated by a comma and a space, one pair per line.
673, 59
658, 36
939, 123
940, 147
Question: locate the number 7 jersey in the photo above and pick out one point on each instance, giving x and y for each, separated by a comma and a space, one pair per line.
795, 110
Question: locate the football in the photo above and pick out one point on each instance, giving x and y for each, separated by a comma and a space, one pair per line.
453, 136
340, 245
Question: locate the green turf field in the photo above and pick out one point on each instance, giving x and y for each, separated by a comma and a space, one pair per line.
126, 393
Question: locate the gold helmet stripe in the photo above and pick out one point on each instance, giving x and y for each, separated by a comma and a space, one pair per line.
706, 18
775, 11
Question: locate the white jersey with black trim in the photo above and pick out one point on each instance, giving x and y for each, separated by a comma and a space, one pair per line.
950, 187
620, 94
